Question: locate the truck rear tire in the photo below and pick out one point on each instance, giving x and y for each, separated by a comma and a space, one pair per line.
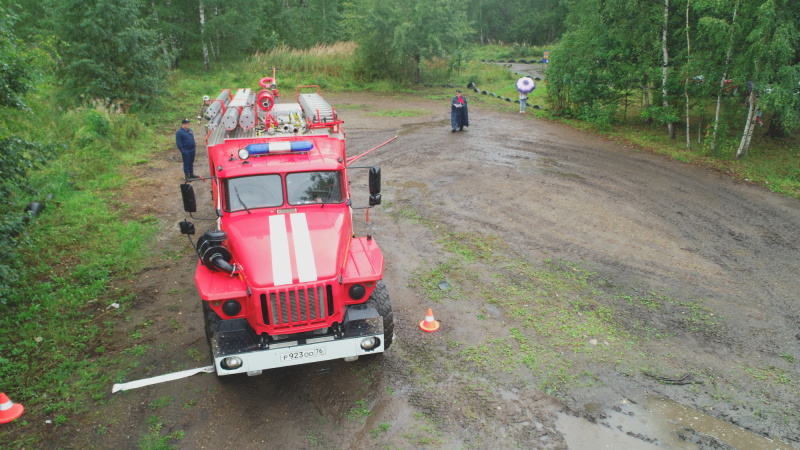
383, 304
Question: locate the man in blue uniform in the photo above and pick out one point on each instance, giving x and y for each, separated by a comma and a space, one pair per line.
184, 139
459, 114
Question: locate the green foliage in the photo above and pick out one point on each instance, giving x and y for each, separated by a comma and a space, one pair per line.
154, 440
394, 37
322, 65
359, 410
18, 155
304, 24
520, 21
773, 59
14, 72
499, 52
161, 402
613, 52
110, 54
55, 309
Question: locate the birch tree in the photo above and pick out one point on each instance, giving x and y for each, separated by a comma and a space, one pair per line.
772, 67
687, 79
665, 68
203, 35
724, 77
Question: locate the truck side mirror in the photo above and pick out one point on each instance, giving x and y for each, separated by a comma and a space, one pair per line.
189, 202
375, 181
374, 199
186, 227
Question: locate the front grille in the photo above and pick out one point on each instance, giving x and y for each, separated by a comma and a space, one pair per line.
293, 307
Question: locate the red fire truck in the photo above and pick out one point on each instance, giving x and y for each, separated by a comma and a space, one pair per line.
282, 277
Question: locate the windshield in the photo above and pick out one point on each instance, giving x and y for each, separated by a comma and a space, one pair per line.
258, 191
313, 187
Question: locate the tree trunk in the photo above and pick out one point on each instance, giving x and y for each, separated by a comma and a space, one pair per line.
217, 39
716, 115
174, 45
203, 35
324, 23
161, 38
665, 52
699, 130
480, 18
724, 77
688, 77
747, 134
416, 69
688, 121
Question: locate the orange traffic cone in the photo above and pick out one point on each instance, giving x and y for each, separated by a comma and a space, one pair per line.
429, 324
8, 410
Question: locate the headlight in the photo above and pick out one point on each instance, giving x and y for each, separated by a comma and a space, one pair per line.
357, 291
231, 362
369, 343
244, 153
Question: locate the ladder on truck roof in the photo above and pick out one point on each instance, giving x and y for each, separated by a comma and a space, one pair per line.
317, 111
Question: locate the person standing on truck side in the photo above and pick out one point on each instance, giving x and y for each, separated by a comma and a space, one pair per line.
459, 113
204, 108
184, 139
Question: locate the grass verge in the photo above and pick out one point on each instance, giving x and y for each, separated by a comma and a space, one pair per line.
57, 322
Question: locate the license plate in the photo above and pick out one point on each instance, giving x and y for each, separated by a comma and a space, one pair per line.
307, 353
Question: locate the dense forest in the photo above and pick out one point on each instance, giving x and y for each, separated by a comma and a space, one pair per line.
674, 53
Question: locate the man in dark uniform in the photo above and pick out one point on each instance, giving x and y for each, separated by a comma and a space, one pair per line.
184, 139
459, 114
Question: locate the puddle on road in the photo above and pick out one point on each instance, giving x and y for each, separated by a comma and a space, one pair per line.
524, 161
412, 128
656, 423
411, 184
565, 174
391, 411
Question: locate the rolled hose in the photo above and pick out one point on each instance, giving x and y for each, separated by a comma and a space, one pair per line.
265, 100
268, 83
212, 253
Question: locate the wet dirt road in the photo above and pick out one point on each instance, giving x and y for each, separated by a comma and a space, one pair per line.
582, 277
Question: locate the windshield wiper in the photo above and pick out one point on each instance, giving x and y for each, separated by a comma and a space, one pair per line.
236, 190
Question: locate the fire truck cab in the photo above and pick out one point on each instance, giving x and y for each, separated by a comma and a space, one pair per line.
282, 277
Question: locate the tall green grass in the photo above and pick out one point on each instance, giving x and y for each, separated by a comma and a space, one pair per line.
499, 51
55, 323
330, 66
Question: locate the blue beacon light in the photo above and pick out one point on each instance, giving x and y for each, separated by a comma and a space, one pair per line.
275, 147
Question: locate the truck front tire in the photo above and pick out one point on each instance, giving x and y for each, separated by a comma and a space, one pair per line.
212, 321
383, 304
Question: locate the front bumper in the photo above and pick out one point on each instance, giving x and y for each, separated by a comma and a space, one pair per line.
235, 339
